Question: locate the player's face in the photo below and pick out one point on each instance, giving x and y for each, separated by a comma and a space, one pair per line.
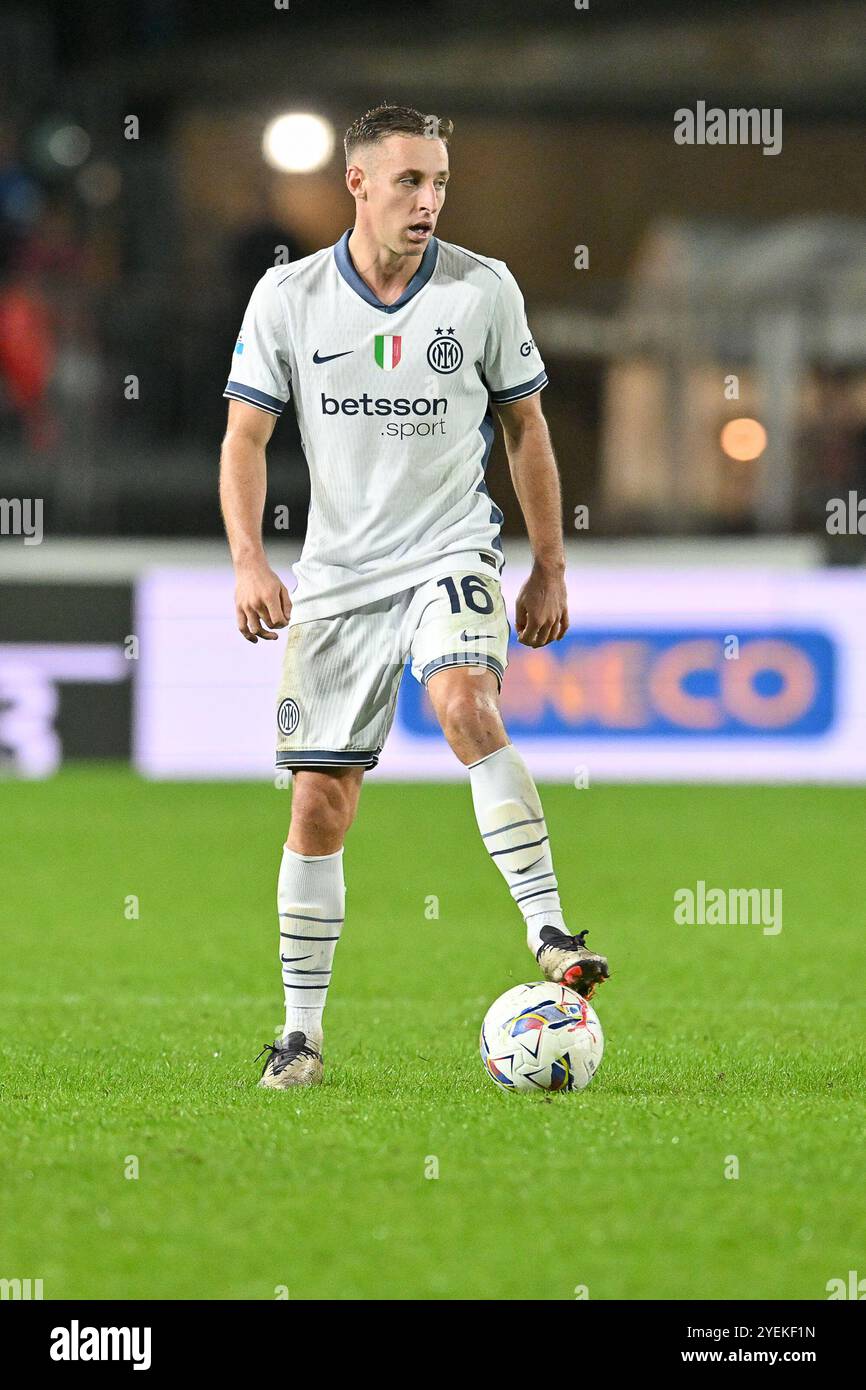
405, 187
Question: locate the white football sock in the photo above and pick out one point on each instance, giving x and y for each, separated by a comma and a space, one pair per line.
311, 901
511, 821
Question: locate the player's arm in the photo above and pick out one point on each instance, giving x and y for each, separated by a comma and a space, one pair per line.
514, 374
542, 604
258, 389
261, 599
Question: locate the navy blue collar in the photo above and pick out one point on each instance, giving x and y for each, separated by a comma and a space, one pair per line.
346, 267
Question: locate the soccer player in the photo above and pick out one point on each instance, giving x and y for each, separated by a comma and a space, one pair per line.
394, 345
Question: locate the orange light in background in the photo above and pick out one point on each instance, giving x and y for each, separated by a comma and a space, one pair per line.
743, 439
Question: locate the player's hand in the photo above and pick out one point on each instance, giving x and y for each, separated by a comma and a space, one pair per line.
261, 601
541, 611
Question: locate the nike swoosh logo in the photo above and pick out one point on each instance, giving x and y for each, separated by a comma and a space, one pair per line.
527, 867
319, 360
476, 636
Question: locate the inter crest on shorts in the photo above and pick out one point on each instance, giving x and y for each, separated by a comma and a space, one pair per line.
288, 717
388, 349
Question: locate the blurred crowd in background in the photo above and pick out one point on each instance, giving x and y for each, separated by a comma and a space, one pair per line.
707, 360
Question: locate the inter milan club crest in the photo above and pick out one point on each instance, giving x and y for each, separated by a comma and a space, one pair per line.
445, 353
388, 351
288, 717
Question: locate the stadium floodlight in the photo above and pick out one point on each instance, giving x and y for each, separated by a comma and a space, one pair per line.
298, 143
69, 145
743, 439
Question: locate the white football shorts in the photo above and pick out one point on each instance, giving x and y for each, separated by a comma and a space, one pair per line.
341, 675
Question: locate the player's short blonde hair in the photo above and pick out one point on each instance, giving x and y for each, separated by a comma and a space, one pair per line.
389, 119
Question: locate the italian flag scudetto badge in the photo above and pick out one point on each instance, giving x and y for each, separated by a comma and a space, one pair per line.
388, 350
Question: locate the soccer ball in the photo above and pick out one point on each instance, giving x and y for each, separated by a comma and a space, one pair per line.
541, 1037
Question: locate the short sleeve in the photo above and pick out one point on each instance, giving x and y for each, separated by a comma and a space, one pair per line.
260, 373
512, 365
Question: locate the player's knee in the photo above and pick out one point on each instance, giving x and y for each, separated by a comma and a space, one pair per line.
471, 715
323, 807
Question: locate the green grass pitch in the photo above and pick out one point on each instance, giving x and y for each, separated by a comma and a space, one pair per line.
131, 1043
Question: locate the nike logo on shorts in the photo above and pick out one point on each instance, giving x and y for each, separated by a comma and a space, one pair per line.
477, 636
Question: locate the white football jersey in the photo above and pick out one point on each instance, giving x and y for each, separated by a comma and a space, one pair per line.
394, 408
